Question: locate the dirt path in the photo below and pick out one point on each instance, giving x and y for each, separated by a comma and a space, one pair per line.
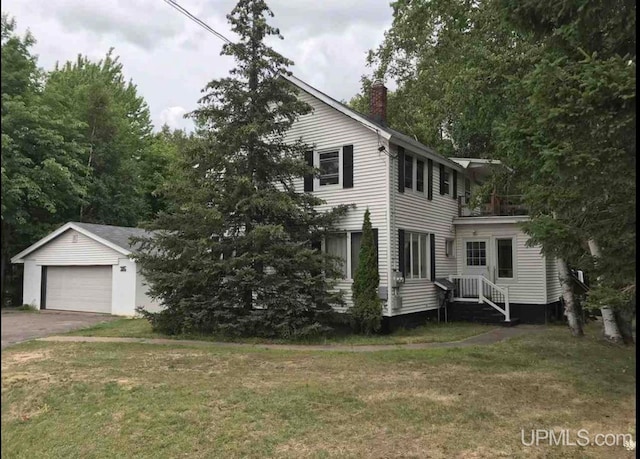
491, 337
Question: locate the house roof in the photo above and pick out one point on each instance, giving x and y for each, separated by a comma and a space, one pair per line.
114, 237
383, 130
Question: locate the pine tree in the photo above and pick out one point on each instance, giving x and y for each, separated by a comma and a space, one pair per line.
237, 255
366, 313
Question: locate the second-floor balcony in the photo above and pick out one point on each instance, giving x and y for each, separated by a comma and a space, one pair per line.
498, 205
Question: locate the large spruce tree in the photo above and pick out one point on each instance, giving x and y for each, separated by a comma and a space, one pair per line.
236, 253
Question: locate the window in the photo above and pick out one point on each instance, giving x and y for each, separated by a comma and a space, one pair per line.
415, 255
329, 165
420, 176
505, 258
356, 243
476, 253
449, 248
347, 247
467, 190
446, 176
408, 171
336, 245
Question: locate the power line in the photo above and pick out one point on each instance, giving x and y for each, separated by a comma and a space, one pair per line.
198, 21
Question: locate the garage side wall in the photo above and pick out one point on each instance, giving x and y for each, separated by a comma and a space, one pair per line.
123, 288
142, 299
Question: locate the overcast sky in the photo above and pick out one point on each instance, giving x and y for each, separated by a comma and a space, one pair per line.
170, 58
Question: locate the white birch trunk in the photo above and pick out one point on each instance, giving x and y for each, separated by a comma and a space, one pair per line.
575, 324
611, 330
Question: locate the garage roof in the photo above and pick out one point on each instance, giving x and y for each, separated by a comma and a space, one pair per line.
119, 235
115, 237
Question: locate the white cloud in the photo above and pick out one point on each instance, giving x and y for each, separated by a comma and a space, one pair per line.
173, 117
171, 59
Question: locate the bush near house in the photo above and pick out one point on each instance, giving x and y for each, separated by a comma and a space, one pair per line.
366, 313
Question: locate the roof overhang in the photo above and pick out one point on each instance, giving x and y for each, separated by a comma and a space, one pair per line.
381, 131
491, 220
336, 105
19, 258
480, 167
427, 152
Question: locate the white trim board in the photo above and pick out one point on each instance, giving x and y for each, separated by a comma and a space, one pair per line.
19, 258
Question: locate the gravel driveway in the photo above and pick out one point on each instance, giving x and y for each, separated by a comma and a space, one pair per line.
22, 326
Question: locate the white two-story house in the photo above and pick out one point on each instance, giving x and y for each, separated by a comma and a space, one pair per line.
426, 237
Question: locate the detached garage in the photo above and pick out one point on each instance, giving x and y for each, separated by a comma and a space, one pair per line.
85, 267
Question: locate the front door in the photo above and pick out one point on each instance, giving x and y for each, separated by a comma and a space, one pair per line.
476, 257
475, 262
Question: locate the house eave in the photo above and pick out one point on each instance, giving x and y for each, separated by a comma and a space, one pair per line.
491, 220
335, 105
426, 152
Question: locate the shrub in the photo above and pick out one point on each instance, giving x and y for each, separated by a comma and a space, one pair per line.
366, 312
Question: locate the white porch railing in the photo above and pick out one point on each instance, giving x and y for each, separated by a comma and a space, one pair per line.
482, 290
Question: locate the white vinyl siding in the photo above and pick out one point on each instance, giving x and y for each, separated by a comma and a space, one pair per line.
74, 248
415, 213
529, 283
326, 129
554, 289
142, 299
79, 288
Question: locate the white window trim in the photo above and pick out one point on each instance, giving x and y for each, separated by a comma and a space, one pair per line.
448, 190
452, 252
408, 234
316, 163
514, 257
348, 261
487, 253
414, 176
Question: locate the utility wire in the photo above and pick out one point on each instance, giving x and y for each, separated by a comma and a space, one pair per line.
198, 21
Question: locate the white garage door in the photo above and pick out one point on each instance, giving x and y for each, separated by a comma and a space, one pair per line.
79, 288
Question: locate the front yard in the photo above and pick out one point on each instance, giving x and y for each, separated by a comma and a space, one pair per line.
98, 400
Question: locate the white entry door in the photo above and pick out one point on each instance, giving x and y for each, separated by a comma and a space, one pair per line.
78, 288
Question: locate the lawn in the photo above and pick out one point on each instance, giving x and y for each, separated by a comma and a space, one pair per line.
430, 333
104, 400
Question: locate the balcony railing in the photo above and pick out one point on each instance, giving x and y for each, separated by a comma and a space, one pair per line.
498, 205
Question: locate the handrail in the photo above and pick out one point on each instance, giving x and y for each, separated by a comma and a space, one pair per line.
498, 205
479, 288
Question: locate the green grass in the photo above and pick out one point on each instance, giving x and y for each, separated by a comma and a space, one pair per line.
103, 400
431, 333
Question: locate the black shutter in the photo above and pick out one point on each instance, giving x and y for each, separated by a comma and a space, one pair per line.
455, 184
441, 178
375, 241
401, 169
401, 251
429, 179
347, 166
308, 178
432, 243
316, 244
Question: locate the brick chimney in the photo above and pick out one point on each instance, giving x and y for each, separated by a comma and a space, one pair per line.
378, 103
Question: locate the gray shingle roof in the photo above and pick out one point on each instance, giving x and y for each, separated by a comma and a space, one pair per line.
118, 235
